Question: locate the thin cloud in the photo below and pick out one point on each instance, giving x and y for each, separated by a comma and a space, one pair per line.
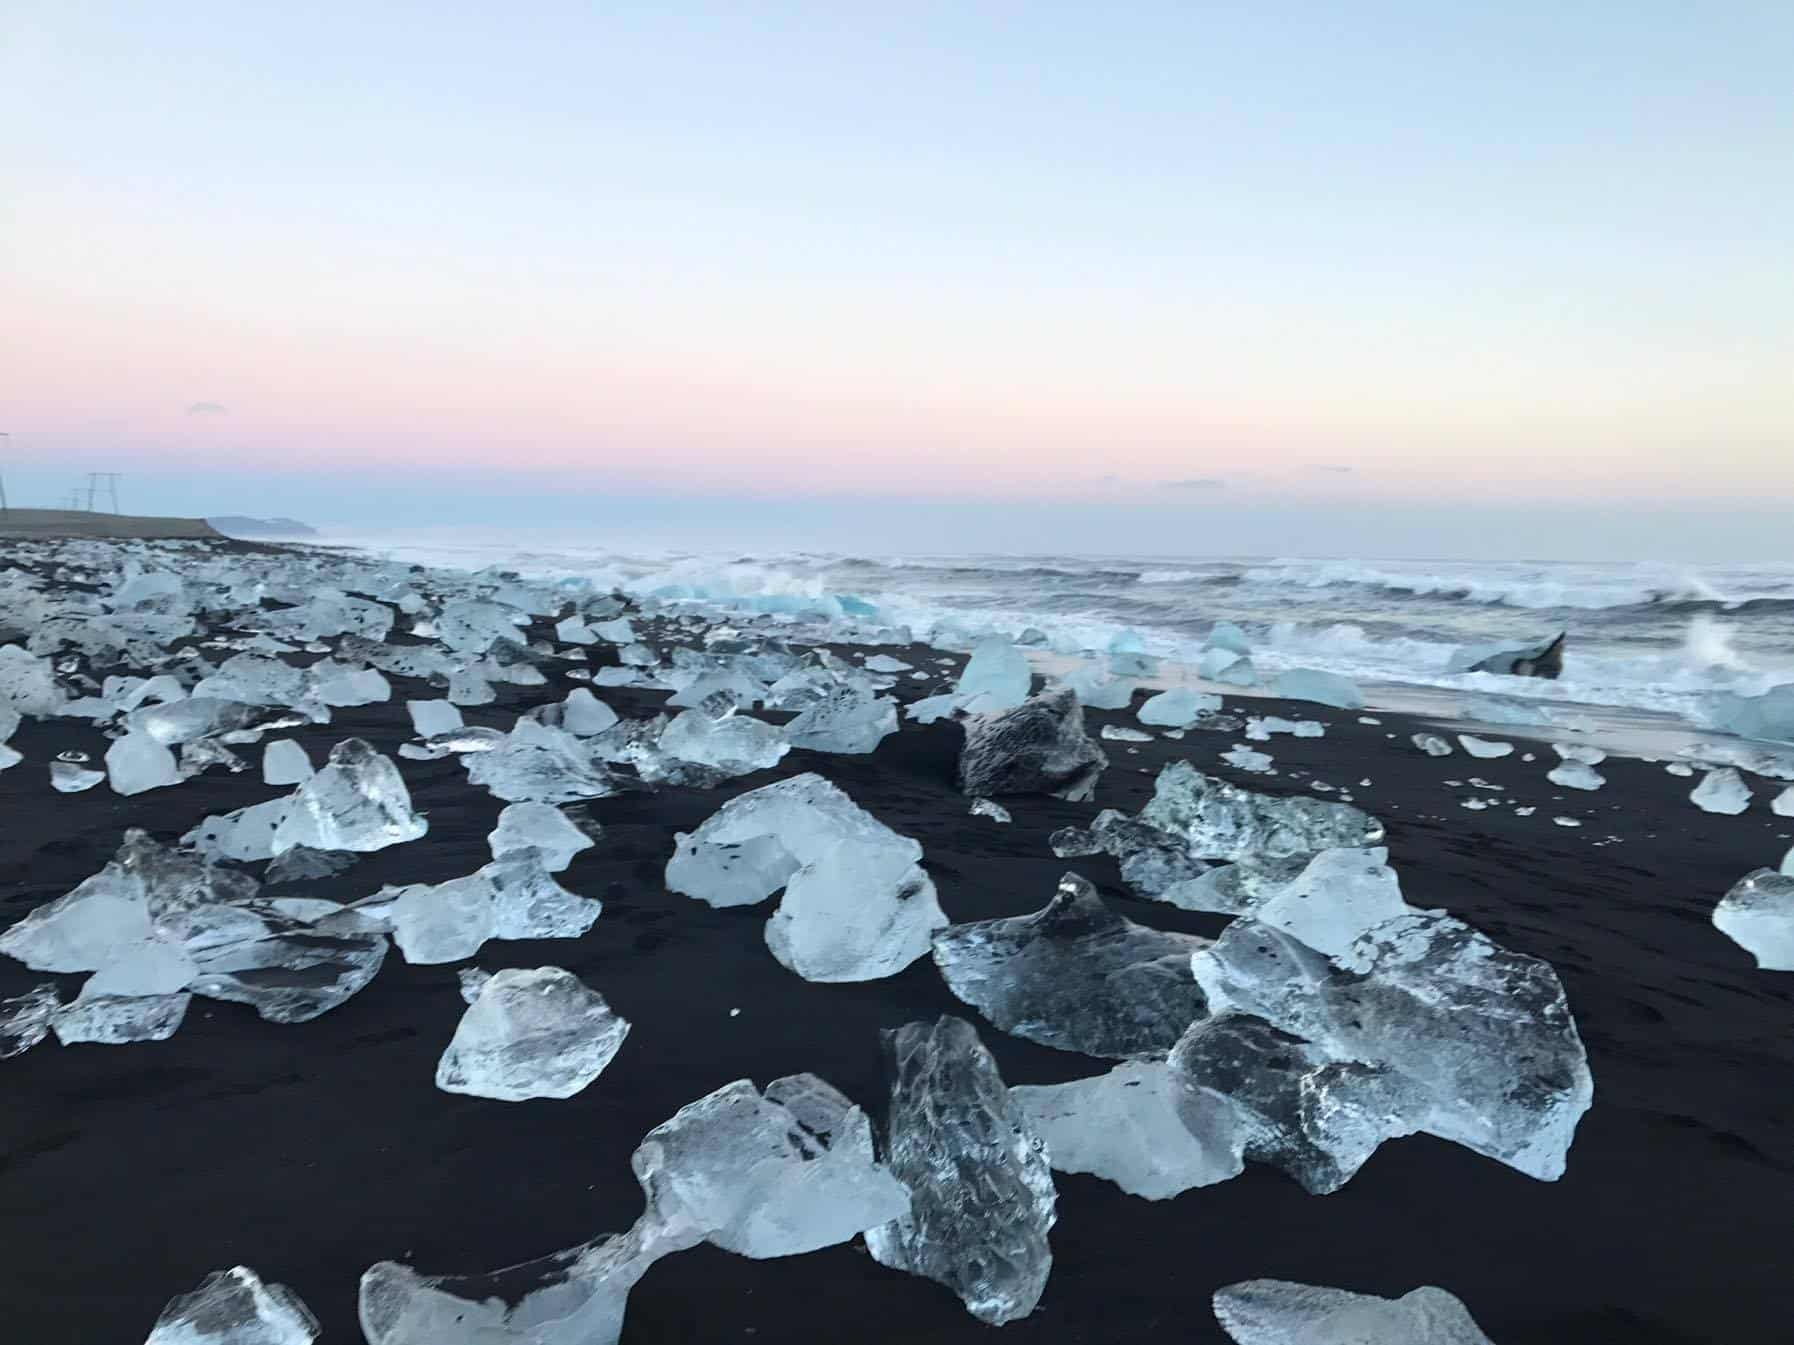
1342, 468
1195, 483
208, 409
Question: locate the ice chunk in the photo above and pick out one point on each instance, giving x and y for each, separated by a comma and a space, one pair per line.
538, 764
1226, 635
73, 777
443, 922
1340, 895
1721, 791
1580, 752
529, 904
857, 906
575, 1297
429, 718
284, 762
1485, 1033
1039, 747
531, 1034
584, 715
618, 631
9, 757
137, 762
932, 708
1243, 758
573, 631
996, 677
1280, 1312
1306, 684
473, 625
235, 1307
28, 683
1097, 689
1232, 889
1119, 733
1770, 715
25, 1019
1783, 803
1217, 820
1075, 976
996, 812
1259, 730
884, 663
118, 1020
845, 720
981, 1192
1178, 708
735, 743
1124, 1127
336, 685
357, 802
779, 1174
147, 968
1758, 916
245, 835
1287, 1102
541, 827
467, 687
1484, 749
291, 977
1432, 744
1575, 775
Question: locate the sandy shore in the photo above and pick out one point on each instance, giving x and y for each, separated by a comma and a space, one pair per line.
312, 1151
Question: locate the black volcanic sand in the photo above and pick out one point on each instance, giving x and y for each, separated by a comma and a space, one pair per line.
312, 1151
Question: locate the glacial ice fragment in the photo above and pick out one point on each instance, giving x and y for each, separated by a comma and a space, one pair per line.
538, 764
429, 718
443, 922
1280, 1312
1782, 805
71, 777
884, 663
1075, 976
981, 1191
1307, 684
118, 1020
358, 802
996, 812
25, 1019
1575, 775
1758, 916
1124, 1127
1432, 744
284, 762
1039, 747
472, 626
584, 715
1484, 749
1721, 791
531, 1034
768, 1175
846, 720
541, 827
1096, 689
235, 1307
1243, 758
857, 905
28, 683
1226, 635
1231, 889
1178, 708
1260, 729
1770, 715
1120, 733
1340, 895
136, 763
737, 744
996, 677
1217, 820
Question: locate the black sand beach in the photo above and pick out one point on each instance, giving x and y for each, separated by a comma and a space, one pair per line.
312, 1151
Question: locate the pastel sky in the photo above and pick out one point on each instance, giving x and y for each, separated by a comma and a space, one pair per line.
1170, 257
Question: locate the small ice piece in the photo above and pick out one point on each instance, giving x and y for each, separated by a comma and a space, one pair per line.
1233, 889
284, 762
1369, 719
1243, 758
1260, 728
638, 656
472, 980
1681, 768
1432, 744
429, 718
357, 802
538, 764
291, 978
137, 762
1566, 821
473, 625
996, 677
618, 631
1120, 733
1124, 1127
1096, 689
1226, 635
1770, 715
467, 687
1575, 775
245, 835
766, 1175
71, 777
1582, 752
1525, 811
1076, 976
884, 663
25, 1019
584, 715
981, 1191
1039, 747
528, 903
846, 720
541, 827
147, 968
1721, 791
1339, 896
857, 905
932, 708
996, 812
1226, 665
735, 743
1758, 916
349, 686
442, 922
1484, 749
573, 631
28, 683
118, 1020
9, 757
739, 689
1783, 803
531, 1034
1308, 684
1178, 708
1218, 820
1281, 1312
235, 1307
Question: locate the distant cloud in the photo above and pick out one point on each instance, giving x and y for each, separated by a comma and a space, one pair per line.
1340, 467
208, 409
1195, 483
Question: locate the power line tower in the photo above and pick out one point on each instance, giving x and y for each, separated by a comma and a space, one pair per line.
107, 479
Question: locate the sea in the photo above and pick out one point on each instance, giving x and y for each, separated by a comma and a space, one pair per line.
1651, 638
